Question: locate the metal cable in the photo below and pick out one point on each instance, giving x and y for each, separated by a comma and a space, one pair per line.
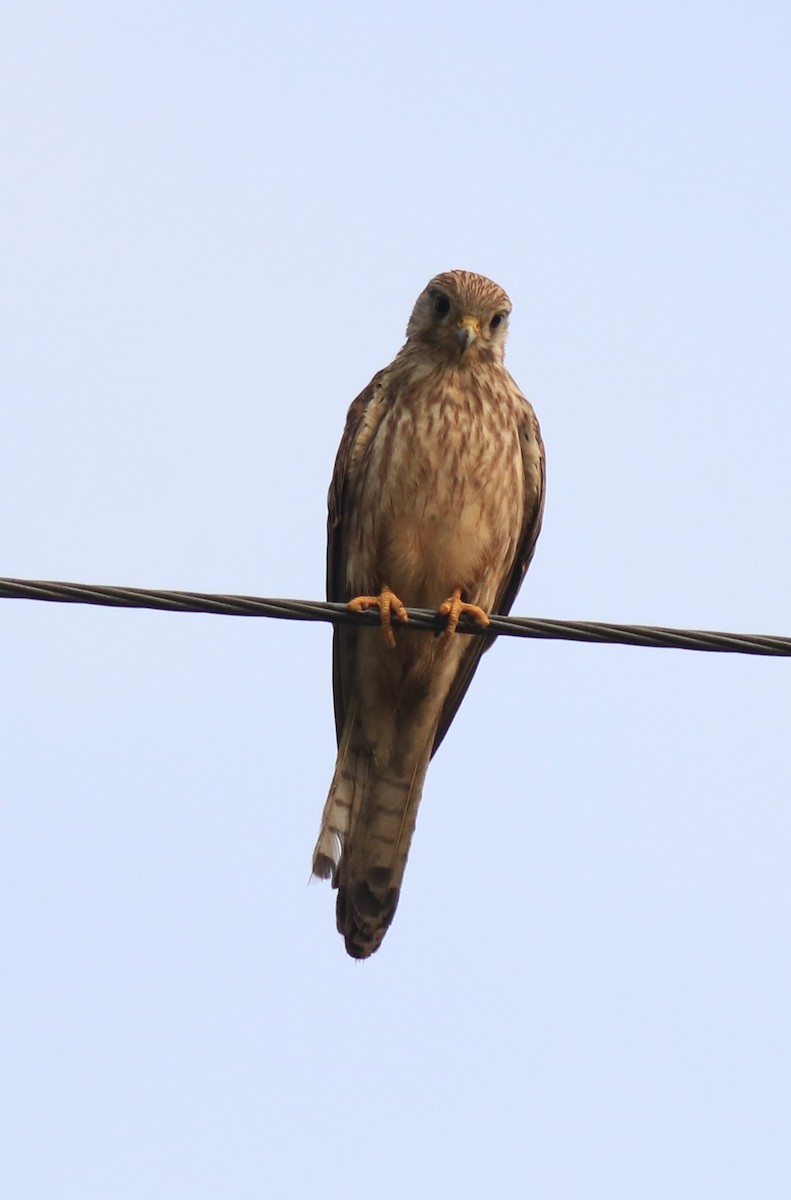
312, 610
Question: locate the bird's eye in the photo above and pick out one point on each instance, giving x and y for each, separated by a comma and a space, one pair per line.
496, 320
441, 304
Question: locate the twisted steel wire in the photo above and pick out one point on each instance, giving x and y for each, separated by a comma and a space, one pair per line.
312, 610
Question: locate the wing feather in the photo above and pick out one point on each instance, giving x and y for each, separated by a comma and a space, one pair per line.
357, 432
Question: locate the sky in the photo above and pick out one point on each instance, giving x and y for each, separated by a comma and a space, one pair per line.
214, 221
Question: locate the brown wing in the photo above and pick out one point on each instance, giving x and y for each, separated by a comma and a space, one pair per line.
345, 636
529, 436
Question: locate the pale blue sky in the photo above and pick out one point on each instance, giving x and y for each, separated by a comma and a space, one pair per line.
215, 219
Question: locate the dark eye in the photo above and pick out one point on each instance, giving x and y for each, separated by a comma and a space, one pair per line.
441, 304
496, 320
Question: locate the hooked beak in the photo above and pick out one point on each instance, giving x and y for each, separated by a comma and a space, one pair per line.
467, 331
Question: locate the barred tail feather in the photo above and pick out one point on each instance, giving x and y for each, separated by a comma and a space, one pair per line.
345, 796
366, 831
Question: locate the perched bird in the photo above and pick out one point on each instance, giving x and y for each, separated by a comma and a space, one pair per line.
435, 502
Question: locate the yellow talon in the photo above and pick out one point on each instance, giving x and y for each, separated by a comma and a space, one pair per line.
389, 606
453, 608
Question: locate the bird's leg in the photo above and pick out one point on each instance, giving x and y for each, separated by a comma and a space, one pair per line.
389, 606
453, 608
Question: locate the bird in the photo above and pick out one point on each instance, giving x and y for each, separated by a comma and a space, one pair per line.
436, 502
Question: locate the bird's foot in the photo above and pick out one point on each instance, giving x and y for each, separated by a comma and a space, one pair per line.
389, 606
454, 607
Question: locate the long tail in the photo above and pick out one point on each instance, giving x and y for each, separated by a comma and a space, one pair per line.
366, 831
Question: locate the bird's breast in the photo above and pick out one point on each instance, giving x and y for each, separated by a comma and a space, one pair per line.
441, 494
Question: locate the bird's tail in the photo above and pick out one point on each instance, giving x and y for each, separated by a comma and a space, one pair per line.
366, 831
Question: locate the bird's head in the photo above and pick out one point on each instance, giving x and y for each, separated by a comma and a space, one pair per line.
462, 316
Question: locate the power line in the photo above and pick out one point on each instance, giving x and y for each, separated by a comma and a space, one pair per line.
313, 610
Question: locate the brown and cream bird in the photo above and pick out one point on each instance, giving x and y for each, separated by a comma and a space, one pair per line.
435, 502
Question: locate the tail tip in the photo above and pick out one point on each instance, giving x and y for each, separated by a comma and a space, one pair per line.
363, 917
327, 855
323, 865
